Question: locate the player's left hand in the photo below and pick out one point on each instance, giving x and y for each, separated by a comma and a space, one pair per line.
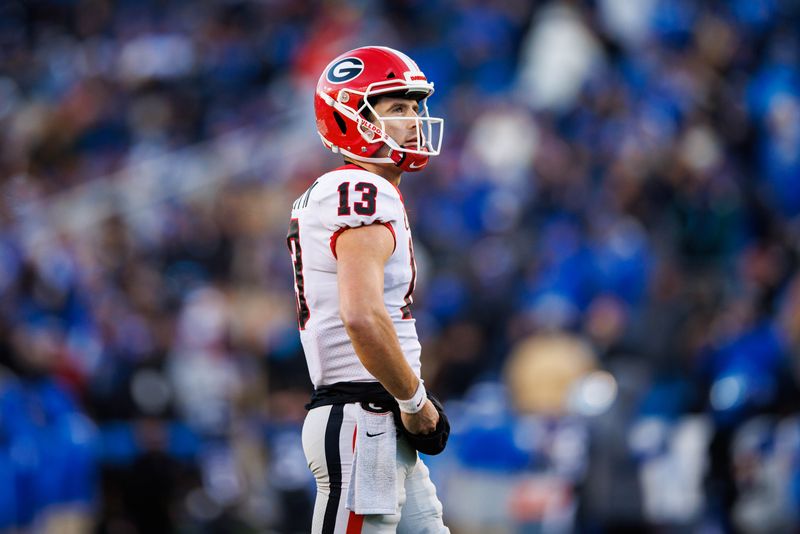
422, 422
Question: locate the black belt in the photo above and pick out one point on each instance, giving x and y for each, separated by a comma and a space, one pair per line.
348, 392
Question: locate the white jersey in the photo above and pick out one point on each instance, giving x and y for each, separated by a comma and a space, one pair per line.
347, 197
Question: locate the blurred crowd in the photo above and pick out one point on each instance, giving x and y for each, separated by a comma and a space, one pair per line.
608, 298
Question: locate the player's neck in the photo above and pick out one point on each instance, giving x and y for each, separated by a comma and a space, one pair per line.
391, 172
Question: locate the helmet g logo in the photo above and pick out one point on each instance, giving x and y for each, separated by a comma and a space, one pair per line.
345, 70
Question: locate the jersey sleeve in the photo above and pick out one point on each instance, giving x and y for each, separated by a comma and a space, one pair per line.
358, 199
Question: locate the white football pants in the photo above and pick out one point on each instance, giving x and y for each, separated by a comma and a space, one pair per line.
328, 440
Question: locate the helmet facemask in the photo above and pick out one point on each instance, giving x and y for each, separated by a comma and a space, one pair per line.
428, 129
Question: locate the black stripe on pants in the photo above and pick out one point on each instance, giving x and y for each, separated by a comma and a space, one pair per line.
334, 463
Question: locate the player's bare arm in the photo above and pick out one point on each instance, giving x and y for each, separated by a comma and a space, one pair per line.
362, 254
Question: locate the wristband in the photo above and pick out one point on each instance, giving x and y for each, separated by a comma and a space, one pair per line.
415, 403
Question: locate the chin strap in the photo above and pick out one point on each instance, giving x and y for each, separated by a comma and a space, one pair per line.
409, 162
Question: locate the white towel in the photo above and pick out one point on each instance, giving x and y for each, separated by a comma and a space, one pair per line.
373, 479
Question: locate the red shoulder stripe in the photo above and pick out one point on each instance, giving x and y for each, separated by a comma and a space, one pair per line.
340, 231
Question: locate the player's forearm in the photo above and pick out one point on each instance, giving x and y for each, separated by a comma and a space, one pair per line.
376, 344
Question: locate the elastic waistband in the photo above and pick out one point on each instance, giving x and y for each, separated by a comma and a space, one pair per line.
348, 392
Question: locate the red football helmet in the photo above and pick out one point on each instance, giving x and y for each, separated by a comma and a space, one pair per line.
343, 95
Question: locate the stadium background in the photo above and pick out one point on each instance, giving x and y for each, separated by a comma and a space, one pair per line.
608, 296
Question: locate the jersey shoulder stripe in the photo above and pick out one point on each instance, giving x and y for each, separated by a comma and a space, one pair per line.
302, 200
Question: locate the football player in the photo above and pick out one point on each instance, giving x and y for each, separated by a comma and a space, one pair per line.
354, 273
